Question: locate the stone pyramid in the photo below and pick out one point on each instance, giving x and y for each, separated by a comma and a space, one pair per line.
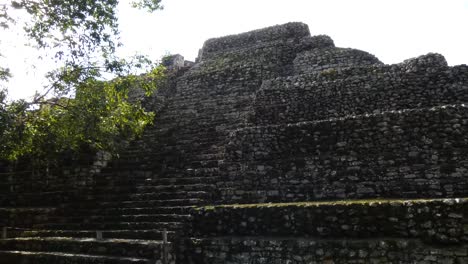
276, 147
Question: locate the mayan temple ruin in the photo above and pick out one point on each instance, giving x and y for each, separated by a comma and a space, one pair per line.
273, 147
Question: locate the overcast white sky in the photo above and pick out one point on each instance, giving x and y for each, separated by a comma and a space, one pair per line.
393, 30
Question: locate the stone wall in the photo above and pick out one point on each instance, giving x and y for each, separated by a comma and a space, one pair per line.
74, 172
358, 219
213, 47
24, 217
241, 250
29, 186
332, 58
411, 153
425, 81
385, 231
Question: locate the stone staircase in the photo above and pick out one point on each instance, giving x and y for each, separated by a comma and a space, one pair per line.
132, 226
152, 185
274, 147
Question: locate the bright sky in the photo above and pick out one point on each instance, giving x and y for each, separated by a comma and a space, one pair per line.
393, 30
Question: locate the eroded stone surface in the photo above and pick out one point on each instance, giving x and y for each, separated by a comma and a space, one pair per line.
271, 115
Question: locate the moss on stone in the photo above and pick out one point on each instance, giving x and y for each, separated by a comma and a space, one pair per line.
330, 203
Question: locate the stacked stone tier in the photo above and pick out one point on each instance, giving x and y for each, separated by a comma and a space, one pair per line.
269, 116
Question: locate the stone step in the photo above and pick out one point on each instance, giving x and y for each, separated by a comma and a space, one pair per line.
199, 151
204, 164
203, 116
150, 196
171, 177
183, 151
146, 191
185, 180
38, 257
219, 99
191, 172
112, 226
183, 133
129, 175
32, 185
215, 101
189, 169
149, 234
170, 195
169, 135
26, 210
109, 247
165, 188
122, 189
171, 202
128, 211
121, 218
150, 210
209, 156
122, 172
212, 133
36, 198
24, 216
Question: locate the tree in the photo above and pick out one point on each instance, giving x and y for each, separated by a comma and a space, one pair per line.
86, 103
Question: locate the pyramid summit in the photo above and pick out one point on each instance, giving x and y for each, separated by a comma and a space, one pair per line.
275, 146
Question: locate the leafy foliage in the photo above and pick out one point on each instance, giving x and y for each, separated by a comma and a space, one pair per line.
12, 126
96, 118
150, 5
87, 103
4, 74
